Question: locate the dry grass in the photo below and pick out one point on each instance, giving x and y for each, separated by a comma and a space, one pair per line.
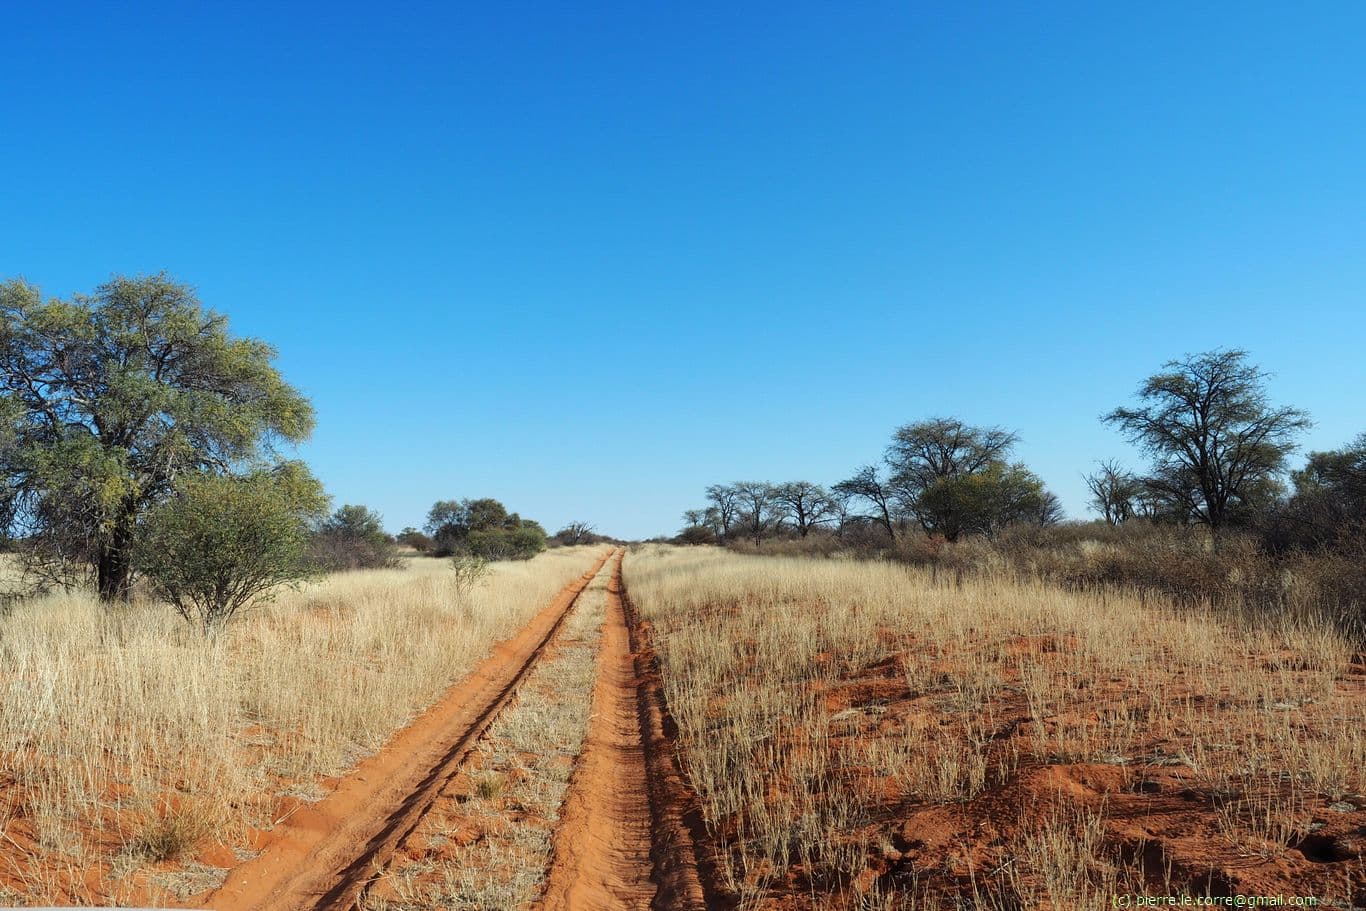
109, 719
1000, 675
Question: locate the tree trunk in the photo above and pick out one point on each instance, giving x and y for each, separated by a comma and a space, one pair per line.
114, 571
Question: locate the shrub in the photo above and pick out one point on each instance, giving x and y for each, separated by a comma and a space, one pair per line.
520, 543
483, 528
469, 572
226, 541
353, 537
696, 534
1182, 562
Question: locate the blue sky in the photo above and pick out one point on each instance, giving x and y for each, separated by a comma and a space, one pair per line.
589, 258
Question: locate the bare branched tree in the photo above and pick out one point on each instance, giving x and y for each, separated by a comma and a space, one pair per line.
756, 508
575, 533
1115, 492
725, 500
1218, 445
807, 505
866, 485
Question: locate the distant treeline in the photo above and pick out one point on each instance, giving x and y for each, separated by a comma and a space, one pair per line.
1218, 452
1217, 516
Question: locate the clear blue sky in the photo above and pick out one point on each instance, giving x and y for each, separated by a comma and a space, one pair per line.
589, 258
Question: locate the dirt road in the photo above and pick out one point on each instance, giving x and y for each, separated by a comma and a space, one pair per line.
626, 839
621, 843
321, 856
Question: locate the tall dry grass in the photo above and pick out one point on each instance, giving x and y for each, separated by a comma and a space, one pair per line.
1258, 717
125, 730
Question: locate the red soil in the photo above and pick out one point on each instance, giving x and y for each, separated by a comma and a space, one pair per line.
622, 843
1159, 822
324, 853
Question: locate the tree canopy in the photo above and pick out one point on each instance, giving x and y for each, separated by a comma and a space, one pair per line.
1219, 447
483, 528
1329, 502
954, 478
353, 537
107, 401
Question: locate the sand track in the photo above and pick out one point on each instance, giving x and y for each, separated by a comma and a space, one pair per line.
322, 856
624, 840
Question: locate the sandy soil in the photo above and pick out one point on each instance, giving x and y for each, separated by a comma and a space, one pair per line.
620, 844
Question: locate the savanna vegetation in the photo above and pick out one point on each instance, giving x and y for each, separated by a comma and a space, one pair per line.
967, 701
192, 636
140, 444
1220, 516
867, 734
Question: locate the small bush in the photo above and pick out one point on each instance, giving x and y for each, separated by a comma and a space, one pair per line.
488, 786
470, 572
171, 832
227, 541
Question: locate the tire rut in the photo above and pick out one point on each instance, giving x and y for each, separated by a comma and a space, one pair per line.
624, 840
323, 856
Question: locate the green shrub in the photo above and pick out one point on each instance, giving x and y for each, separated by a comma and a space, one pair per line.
226, 541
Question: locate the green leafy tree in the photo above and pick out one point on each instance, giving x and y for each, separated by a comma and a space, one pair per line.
924, 455
954, 479
483, 528
107, 400
985, 501
224, 542
1218, 446
411, 537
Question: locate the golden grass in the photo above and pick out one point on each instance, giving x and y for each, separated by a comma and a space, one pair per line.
129, 720
1257, 718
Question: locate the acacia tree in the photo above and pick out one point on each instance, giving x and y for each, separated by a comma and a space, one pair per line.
868, 486
701, 526
954, 478
925, 451
725, 501
807, 505
575, 533
1218, 446
108, 399
985, 501
755, 503
1115, 493
928, 454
